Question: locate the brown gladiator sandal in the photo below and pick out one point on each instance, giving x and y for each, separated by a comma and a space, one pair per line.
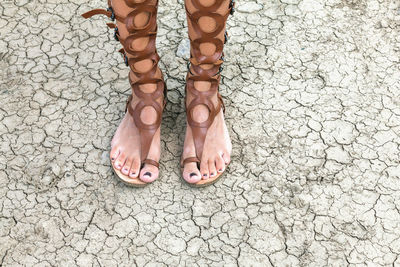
131, 56
212, 75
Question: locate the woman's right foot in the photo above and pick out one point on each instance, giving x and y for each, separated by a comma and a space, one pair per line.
136, 142
135, 147
126, 145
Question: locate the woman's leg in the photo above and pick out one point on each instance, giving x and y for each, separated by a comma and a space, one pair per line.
132, 144
207, 137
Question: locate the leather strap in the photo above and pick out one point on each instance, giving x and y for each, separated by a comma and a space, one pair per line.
188, 160
108, 13
151, 162
132, 56
198, 73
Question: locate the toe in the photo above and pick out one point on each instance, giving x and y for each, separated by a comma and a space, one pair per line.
135, 168
220, 164
114, 153
120, 161
191, 173
211, 168
149, 173
226, 156
127, 166
204, 169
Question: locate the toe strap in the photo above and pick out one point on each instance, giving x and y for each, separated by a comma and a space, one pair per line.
188, 160
151, 162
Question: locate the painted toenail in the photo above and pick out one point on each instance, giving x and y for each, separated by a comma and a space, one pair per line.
220, 170
205, 175
112, 158
148, 174
193, 174
212, 174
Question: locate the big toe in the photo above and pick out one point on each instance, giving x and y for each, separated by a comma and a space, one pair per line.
191, 174
149, 173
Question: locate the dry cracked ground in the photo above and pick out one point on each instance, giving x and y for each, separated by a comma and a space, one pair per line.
312, 93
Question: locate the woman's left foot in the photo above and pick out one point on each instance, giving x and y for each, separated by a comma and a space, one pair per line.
217, 146
216, 153
207, 145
